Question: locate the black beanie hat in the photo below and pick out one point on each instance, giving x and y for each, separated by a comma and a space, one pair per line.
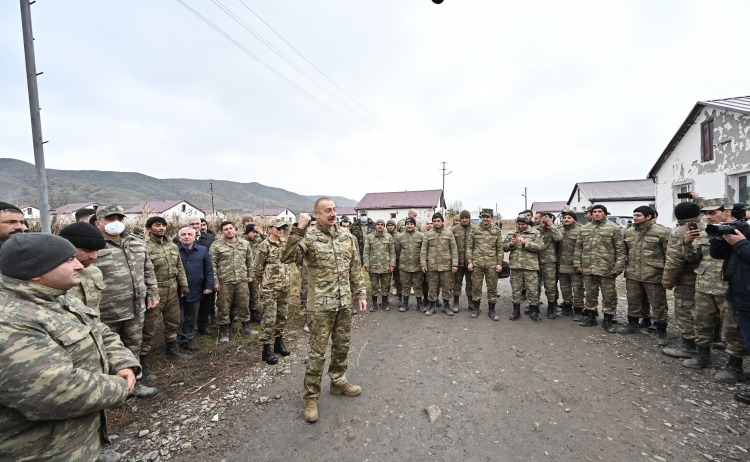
645, 210
685, 210
570, 213
29, 255
84, 236
9, 207
438, 215
600, 206
249, 228
150, 222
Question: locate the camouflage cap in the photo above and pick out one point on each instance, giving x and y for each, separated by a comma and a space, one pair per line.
107, 210
391, 222
715, 204
363, 212
590, 208
277, 223
486, 212
379, 221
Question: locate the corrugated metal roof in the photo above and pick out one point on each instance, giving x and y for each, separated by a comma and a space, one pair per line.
158, 206
620, 190
402, 200
740, 104
340, 211
552, 207
268, 211
71, 208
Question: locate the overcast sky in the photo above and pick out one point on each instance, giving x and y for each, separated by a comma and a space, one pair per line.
509, 93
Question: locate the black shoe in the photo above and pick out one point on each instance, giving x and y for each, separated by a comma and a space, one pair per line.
718, 342
614, 319
385, 304
374, 305
732, 372
404, 305
425, 302
255, 316
224, 331
174, 353
491, 312
645, 323
661, 334
247, 330
534, 315
420, 305
742, 398
146, 374
590, 318
455, 302
527, 310
431, 310
632, 327
279, 347
204, 331
607, 324
516, 312
438, 304
686, 350
475, 310
400, 302
447, 308
701, 360
212, 320
565, 310
268, 355
577, 310
551, 310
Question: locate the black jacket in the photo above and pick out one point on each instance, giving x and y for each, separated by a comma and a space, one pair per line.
736, 270
204, 239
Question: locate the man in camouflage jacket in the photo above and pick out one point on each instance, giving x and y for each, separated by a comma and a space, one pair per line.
88, 240
361, 228
61, 366
335, 279
484, 260
379, 260
439, 258
252, 234
409, 247
401, 225
600, 257
390, 227
524, 245
551, 236
571, 282
461, 232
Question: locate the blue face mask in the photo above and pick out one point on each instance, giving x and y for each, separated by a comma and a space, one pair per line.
363, 219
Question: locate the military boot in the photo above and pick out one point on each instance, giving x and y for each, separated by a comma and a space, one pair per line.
146, 374
551, 310
732, 372
255, 316
577, 310
645, 323
661, 334
425, 301
527, 310
718, 342
279, 347
516, 312
455, 303
268, 355
431, 310
491, 312
534, 315
566, 309
607, 324
743, 398
224, 331
686, 350
311, 410
632, 327
374, 305
590, 318
475, 311
701, 360
174, 353
212, 321
447, 308
437, 302
420, 306
400, 302
247, 330
404, 304
385, 304
347, 389
204, 331
142, 391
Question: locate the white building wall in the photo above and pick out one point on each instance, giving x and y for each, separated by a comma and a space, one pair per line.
614, 208
178, 213
425, 214
30, 213
287, 216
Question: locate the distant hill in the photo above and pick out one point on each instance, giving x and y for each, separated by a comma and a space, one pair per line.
338, 200
18, 185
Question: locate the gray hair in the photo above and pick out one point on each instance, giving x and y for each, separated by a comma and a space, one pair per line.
186, 228
190, 217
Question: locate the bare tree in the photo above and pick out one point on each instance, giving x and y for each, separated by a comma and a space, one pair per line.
59, 199
456, 206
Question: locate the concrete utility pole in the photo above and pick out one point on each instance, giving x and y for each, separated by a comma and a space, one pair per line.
36, 119
525, 199
444, 175
213, 210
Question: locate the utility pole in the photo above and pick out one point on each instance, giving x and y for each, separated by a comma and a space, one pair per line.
444, 175
213, 210
36, 118
525, 199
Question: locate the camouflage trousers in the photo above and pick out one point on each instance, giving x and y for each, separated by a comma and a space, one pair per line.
397, 280
409, 280
303, 291
253, 292
609, 293
130, 332
380, 284
571, 286
275, 312
169, 309
548, 280
641, 295
707, 312
437, 280
232, 296
521, 280
337, 326
684, 299
479, 275
458, 282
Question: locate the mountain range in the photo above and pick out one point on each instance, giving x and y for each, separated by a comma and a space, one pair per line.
128, 189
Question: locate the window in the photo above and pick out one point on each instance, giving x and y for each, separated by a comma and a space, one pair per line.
28, 211
393, 216
681, 189
183, 208
744, 191
707, 140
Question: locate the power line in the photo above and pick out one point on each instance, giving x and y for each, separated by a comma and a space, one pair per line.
282, 77
289, 61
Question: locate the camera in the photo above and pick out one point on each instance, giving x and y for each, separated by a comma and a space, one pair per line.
683, 195
740, 222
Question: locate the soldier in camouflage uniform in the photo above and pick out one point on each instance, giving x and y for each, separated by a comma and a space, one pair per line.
679, 274
439, 258
461, 232
390, 226
646, 248
711, 306
253, 290
336, 277
171, 278
524, 245
409, 246
232, 261
484, 260
361, 228
551, 236
11, 221
571, 282
600, 257
379, 260
274, 279
62, 367
129, 284
401, 225
88, 240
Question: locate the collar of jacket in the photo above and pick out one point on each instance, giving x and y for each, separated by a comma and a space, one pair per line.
649, 225
29, 290
160, 241
182, 247
599, 222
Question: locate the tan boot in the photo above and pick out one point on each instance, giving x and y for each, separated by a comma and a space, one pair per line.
347, 388
311, 410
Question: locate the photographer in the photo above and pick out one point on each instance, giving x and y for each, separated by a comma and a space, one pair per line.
729, 243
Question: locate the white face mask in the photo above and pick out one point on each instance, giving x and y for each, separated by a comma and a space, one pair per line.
114, 228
